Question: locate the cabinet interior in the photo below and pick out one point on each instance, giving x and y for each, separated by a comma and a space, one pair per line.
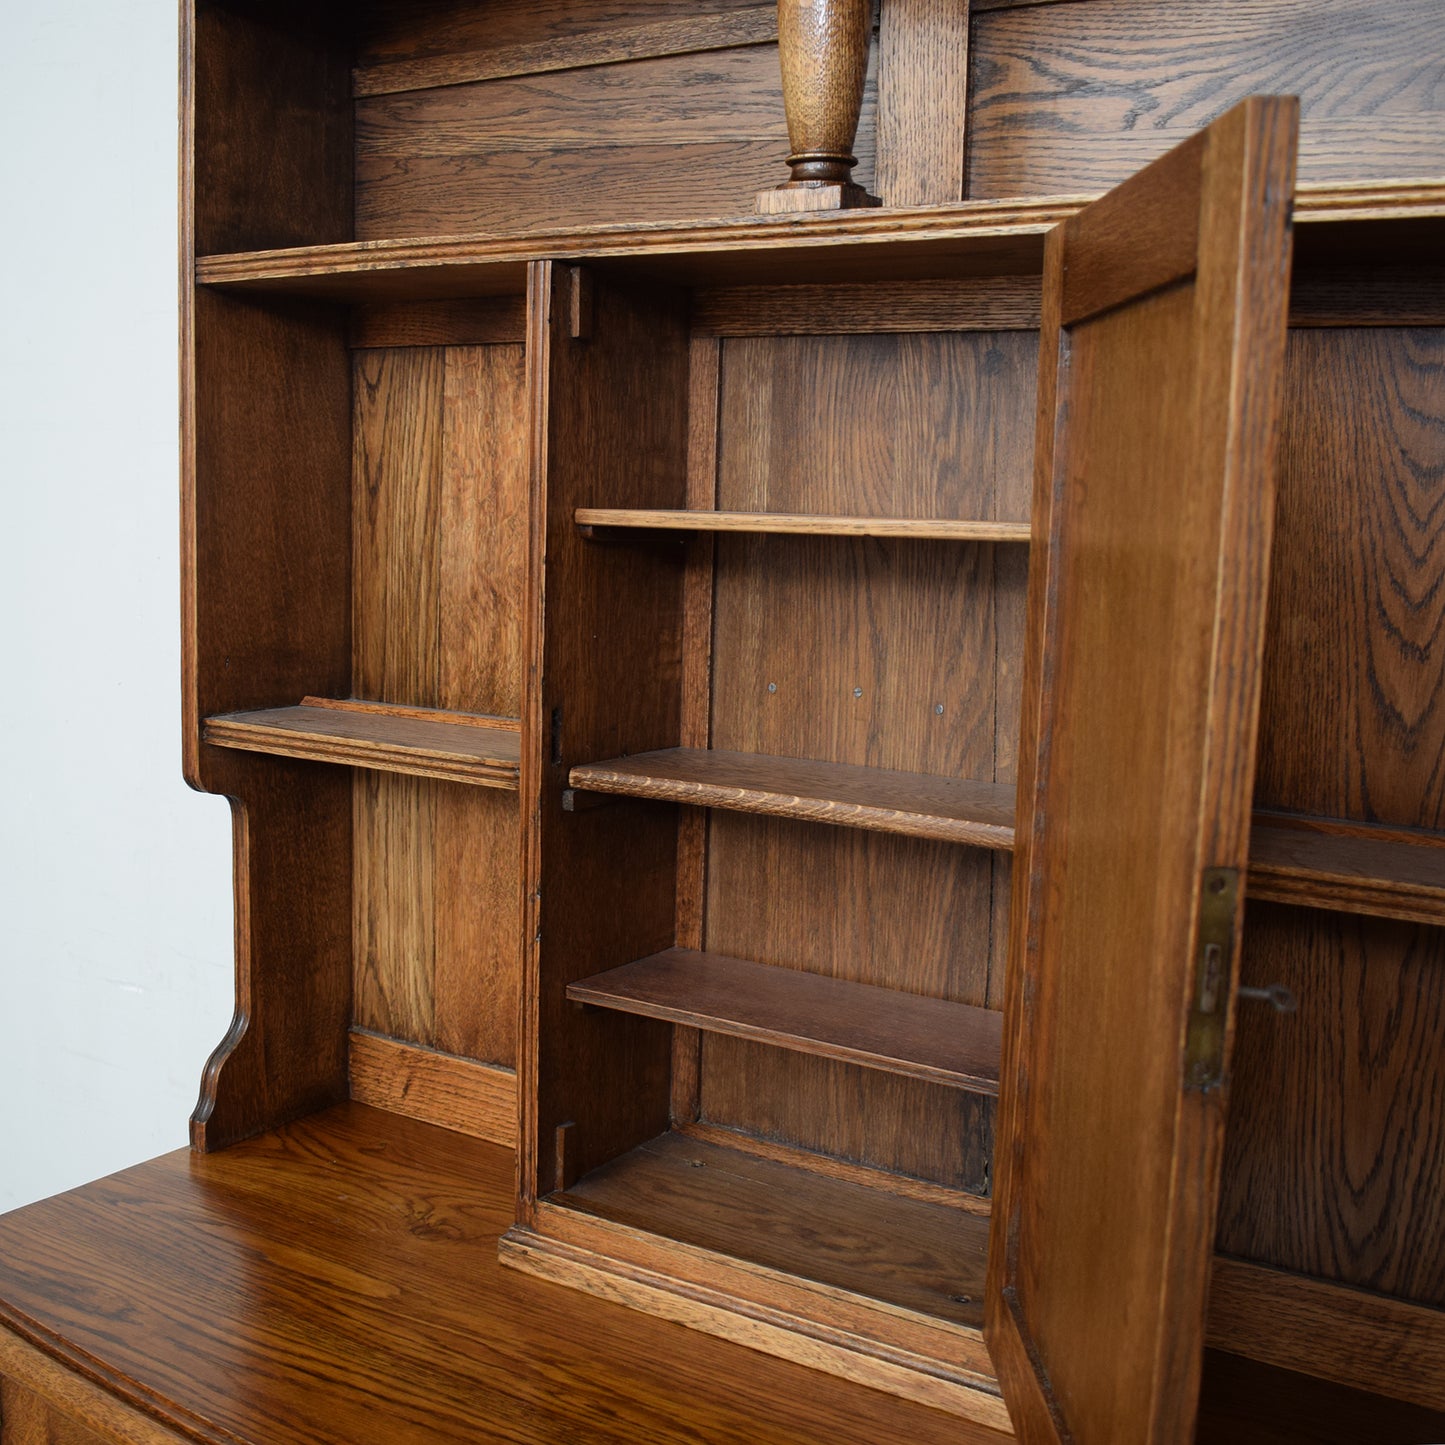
665, 609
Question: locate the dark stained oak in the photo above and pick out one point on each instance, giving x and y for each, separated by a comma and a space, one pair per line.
1358, 1338
599, 520
911, 1253
680, 35
1077, 96
336, 1283
1355, 868
887, 800
432, 747
900, 1033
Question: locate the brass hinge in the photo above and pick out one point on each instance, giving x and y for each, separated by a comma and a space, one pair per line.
1213, 973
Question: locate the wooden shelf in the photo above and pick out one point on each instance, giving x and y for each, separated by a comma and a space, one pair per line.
920, 805
594, 520
1317, 863
981, 238
426, 743
911, 1253
1349, 867
899, 1033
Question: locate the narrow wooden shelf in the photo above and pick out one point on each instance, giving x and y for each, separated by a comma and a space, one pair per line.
914, 1254
899, 1033
919, 805
426, 743
1349, 867
608, 520
966, 238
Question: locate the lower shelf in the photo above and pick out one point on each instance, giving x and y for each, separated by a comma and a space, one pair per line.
927, 1258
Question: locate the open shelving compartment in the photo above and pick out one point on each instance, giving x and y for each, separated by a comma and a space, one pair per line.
777, 623
785, 568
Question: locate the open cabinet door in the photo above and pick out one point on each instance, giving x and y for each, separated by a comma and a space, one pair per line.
1165, 306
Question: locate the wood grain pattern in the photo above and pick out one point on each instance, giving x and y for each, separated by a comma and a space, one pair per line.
1355, 868
744, 25
441, 505
396, 30
481, 321
602, 519
666, 138
1333, 1161
431, 747
397, 524
438, 1088
917, 1256
1078, 96
345, 1270
1368, 1341
39, 1396
995, 303
27, 1419
922, 101
272, 128
1353, 723
1183, 382
899, 1033
887, 800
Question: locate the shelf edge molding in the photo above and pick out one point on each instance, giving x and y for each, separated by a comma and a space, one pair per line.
421, 742
918, 805
606, 521
897, 1033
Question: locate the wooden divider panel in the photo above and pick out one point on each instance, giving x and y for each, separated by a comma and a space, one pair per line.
608, 382
440, 516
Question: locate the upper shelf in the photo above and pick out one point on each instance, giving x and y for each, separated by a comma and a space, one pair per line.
424, 742
611, 520
971, 238
920, 805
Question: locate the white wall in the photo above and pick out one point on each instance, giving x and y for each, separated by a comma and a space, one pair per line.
115, 907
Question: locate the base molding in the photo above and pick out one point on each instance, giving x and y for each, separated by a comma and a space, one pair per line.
768, 1328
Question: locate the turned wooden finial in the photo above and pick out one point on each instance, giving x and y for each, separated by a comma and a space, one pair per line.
823, 45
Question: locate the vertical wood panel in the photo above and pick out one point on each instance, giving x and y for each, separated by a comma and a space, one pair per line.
1335, 1156
1353, 720
476, 969
395, 903
398, 445
922, 101
483, 530
441, 507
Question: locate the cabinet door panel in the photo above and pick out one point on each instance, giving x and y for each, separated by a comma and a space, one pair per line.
1163, 338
